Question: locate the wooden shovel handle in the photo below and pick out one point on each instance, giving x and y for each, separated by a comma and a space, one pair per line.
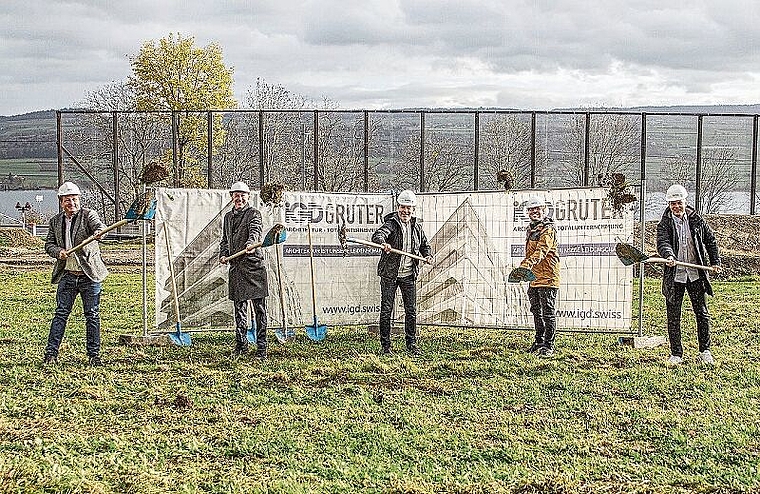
247, 250
91, 238
395, 251
661, 260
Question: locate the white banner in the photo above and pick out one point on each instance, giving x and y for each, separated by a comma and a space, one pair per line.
476, 238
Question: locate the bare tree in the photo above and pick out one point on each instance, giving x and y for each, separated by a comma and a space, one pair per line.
719, 177
505, 146
237, 158
289, 141
286, 133
613, 147
138, 138
448, 166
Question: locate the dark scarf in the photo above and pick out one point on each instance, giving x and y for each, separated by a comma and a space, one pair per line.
536, 228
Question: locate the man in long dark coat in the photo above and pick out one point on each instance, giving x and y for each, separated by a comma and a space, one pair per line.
683, 235
247, 277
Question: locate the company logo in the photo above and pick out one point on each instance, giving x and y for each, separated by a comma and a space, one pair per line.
334, 214
572, 210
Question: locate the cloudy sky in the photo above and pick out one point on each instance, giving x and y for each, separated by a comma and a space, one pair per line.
531, 54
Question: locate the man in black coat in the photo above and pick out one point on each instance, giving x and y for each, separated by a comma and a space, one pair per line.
683, 235
242, 229
400, 231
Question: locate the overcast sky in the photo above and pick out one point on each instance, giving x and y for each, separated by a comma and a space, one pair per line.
532, 54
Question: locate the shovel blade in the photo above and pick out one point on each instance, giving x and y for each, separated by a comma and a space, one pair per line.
179, 338
628, 254
276, 235
283, 334
521, 274
250, 335
143, 207
316, 332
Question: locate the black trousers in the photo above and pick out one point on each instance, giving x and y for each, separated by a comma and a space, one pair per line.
542, 302
673, 303
242, 323
388, 287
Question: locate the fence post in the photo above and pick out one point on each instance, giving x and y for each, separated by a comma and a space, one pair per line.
533, 150
262, 171
316, 150
586, 146
642, 214
698, 181
753, 172
177, 174
422, 151
366, 151
59, 145
209, 151
115, 159
475, 175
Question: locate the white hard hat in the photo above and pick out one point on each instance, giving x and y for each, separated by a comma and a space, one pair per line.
534, 202
676, 193
69, 189
239, 187
407, 198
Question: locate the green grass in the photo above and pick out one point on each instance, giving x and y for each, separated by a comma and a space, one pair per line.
473, 414
30, 169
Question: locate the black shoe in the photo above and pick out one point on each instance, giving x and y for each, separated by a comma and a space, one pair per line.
95, 361
413, 350
240, 350
386, 350
261, 355
545, 351
536, 346
50, 360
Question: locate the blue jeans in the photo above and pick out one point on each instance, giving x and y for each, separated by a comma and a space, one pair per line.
388, 288
68, 287
542, 301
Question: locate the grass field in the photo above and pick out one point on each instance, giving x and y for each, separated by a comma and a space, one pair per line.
473, 414
29, 168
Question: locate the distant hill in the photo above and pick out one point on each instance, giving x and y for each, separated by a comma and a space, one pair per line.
30, 135
711, 109
35, 115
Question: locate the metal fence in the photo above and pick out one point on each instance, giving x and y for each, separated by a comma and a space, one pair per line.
713, 155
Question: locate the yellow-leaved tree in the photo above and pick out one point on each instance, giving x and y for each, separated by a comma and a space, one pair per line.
176, 76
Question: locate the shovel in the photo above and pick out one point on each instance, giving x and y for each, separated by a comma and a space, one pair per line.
250, 335
143, 208
276, 235
628, 254
283, 333
178, 338
342, 238
315, 332
521, 274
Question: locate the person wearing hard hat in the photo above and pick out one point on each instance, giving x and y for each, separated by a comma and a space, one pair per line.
400, 230
80, 273
542, 258
683, 235
242, 229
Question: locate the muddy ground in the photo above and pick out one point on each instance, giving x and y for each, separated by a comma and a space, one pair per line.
738, 237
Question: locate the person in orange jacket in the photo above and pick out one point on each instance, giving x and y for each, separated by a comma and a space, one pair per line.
542, 258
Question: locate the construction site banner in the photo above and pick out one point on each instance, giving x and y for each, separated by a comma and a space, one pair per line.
476, 239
